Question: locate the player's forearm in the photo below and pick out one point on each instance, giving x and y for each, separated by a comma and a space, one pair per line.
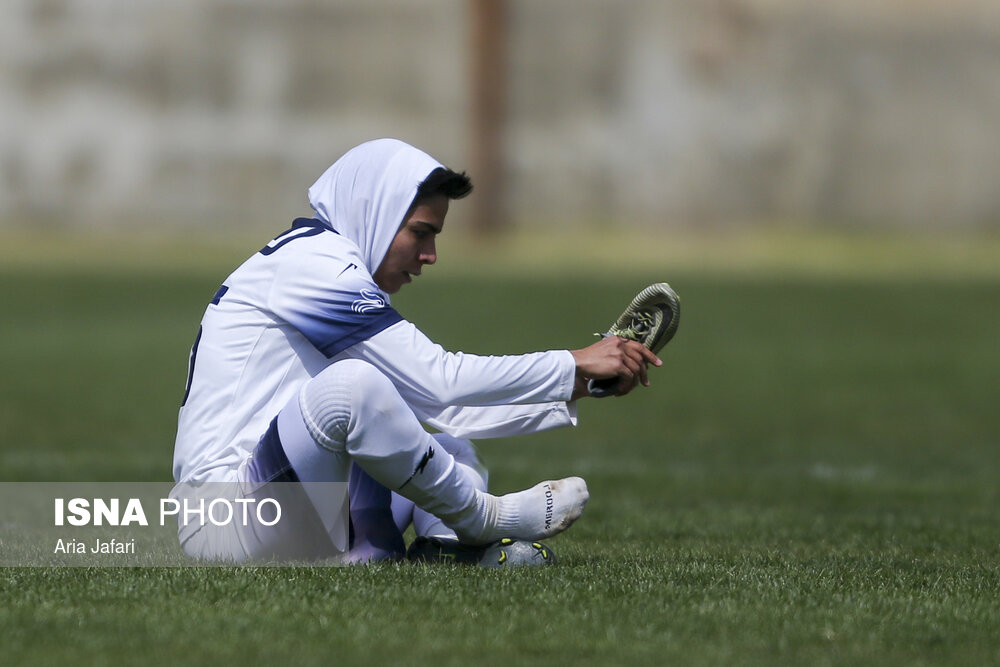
498, 421
428, 374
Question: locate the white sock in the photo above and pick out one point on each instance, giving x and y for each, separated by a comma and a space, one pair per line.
544, 510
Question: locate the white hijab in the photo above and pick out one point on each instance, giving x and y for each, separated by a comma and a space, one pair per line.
367, 192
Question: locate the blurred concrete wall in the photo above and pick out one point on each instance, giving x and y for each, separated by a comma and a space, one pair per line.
663, 112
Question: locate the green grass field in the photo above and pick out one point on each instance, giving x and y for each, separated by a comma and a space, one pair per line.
812, 479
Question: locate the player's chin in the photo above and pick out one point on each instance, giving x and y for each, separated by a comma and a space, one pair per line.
404, 278
394, 286
394, 283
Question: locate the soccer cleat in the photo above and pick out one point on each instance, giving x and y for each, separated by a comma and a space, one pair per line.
443, 550
651, 319
505, 553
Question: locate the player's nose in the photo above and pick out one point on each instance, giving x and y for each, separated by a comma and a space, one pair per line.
429, 254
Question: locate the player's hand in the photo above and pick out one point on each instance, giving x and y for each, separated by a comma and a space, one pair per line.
613, 357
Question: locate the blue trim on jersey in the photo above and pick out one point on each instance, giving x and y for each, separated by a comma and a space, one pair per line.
190, 377
298, 223
331, 318
313, 227
334, 340
219, 294
268, 249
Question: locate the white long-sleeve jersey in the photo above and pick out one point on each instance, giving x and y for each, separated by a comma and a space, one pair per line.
307, 300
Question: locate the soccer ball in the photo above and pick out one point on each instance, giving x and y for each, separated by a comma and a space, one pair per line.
509, 552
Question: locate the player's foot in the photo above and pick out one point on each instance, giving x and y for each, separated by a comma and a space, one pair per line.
505, 553
544, 510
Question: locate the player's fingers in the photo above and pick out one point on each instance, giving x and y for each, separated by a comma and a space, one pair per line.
638, 363
631, 360
633, 371
631, 366
645, 353
625, 385
636, 355
639, 351
635, 359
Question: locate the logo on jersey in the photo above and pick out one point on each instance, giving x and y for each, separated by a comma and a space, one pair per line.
368, 302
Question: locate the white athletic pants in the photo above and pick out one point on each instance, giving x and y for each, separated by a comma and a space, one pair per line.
352, 414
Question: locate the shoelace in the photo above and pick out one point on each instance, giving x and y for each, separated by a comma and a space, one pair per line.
641, 325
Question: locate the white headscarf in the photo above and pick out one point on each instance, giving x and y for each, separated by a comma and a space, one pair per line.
366, 193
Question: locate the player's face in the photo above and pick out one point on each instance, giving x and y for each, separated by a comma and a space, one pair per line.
414, 245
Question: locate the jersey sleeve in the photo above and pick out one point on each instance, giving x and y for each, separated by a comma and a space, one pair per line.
328, 297
498, 421
424, 373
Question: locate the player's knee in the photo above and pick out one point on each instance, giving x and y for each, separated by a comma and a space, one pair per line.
369, 386
327, 401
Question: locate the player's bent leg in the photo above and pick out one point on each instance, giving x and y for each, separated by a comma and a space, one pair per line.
375, 533
426, 524
436, 543
404, 512
352, 408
